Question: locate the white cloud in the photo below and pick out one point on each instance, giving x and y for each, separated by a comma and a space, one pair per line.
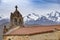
7, 1
25, 7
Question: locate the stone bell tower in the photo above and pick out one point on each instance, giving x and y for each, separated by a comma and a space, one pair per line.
16, 18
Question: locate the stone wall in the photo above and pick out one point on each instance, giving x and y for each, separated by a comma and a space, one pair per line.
45, 36
16, 38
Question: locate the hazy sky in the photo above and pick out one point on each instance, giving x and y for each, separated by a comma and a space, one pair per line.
41, 7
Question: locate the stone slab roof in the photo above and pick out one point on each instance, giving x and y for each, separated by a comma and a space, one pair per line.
33, 30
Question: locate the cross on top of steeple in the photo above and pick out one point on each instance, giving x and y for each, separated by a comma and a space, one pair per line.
16, 7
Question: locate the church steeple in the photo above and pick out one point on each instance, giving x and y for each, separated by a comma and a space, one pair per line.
16, 18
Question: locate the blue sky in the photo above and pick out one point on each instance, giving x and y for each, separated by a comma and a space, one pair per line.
41, 7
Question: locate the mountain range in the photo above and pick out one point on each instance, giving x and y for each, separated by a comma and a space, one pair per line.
51, 19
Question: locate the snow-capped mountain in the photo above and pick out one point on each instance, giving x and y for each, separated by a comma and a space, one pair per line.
41, 21
51, 19
31, 16
54, 16
0, 18
3, 20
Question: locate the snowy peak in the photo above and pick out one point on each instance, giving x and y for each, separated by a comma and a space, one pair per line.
57, 13
55, 16
54, 13
35, 14
0, 18
31, 16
